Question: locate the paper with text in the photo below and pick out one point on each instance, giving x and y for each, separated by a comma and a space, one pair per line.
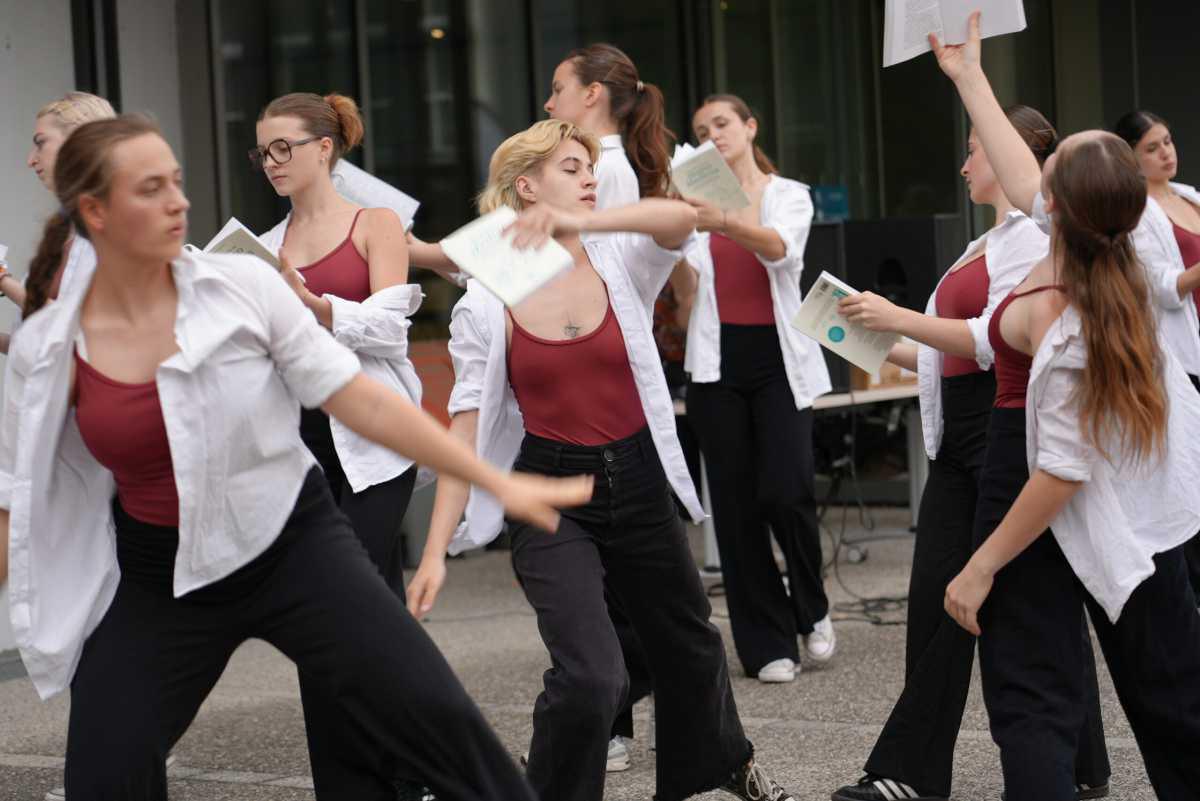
237, 238
907, 23
483, 251
359, 186
818, 319
700, 173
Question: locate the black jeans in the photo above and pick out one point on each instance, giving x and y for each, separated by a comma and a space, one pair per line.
758, 452
916, 745
629, 541
1191, 548
343, 764
313, 594
1038, 671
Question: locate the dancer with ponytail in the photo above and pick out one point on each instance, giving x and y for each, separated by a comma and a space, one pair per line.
352, 273
568, 383
160, 507
1173, 214
49, 276
754, 378
913, 757
1110, 458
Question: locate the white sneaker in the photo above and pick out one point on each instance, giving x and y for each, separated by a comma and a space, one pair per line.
821, 644
60, 793
618, 755
778, 672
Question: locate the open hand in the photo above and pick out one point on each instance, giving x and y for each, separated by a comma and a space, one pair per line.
292, 276
871, 311
537, 499
965, 595
958, 60
538, 223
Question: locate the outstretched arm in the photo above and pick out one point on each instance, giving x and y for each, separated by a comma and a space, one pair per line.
667, 222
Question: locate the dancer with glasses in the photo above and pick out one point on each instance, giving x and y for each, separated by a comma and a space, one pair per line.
354, 279
160, 508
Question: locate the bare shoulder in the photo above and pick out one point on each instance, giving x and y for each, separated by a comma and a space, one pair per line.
1044, 309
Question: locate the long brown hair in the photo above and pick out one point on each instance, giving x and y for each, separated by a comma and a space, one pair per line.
1099, 197
83, 167
639, 109
742, 109
334, 116
68, 112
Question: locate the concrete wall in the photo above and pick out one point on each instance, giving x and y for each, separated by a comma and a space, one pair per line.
36, 65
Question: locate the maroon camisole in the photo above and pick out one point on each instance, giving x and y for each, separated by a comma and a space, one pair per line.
1189, 248
577, 391
741, 283
963, 295
1012, 366
343, 272
122, 425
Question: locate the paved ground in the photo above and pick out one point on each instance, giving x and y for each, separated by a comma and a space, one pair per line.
248, 741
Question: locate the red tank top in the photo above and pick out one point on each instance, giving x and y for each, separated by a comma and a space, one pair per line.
1012, 366
1189, 248
122, 425
578, 391
343, 272
741, 283
962, 295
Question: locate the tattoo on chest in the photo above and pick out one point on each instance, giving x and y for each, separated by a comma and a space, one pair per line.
571, 330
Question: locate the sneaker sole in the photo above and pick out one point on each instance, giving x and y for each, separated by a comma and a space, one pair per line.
837, 796
777, 679
820, 658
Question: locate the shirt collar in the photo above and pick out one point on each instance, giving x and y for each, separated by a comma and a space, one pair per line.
611, 142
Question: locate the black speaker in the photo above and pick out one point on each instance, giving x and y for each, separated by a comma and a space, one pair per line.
902, 258
826, 252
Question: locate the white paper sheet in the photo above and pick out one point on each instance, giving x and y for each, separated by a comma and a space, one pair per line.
237, 238
700, 173
818, 319
359, 186
907, 23
481, 250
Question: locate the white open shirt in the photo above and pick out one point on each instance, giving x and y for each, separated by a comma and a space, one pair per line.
248, 351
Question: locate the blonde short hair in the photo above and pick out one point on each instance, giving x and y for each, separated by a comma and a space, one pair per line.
524, 152
75, 108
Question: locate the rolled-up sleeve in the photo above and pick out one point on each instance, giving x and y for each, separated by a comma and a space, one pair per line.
790, 213
312, 364
1062, 449
647, 263
469, 345
379, 325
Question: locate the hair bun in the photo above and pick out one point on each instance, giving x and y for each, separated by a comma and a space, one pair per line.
349, 119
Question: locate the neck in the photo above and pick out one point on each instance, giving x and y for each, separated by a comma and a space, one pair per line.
127, 286
746, 169
599, 122
574, 246
1159, 189
1002, 207
316, 200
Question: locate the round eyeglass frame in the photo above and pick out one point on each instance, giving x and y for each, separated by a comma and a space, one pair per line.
258, 155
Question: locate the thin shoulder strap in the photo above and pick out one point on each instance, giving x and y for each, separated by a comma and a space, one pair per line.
355, 223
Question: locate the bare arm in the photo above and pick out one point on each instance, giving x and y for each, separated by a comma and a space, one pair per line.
667, 222
904, 354
373, 411
13, 289
1043, 497
430, 256
1189, 280
879, 314
684, 283
1012, 161
448, 507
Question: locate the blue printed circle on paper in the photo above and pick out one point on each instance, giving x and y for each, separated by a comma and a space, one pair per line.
837, 333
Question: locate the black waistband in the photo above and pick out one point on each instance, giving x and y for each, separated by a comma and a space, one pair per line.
970, 388
537, 450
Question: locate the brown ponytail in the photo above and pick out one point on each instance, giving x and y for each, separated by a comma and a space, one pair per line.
1099, 197
83, 167
639, 109
742, 109
333, 116
46, 261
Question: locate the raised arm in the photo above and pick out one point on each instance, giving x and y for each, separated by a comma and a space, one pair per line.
667, 222
1012, 161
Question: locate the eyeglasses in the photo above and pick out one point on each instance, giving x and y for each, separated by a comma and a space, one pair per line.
280, 151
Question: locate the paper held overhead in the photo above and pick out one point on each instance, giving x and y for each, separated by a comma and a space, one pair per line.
237, 238
908, 23
818, 319
700, 173
483, 251
359, 186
